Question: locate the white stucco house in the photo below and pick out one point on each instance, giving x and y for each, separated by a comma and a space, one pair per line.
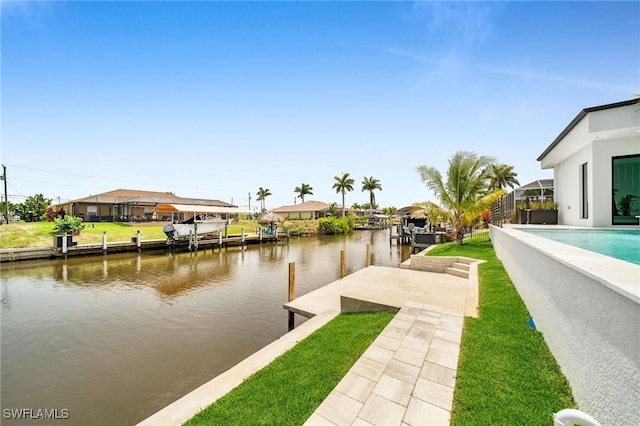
306, 210
596, 166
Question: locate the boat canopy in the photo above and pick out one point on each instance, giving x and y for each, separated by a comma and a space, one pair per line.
194, 208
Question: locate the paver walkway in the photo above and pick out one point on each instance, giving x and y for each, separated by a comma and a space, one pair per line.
406, 377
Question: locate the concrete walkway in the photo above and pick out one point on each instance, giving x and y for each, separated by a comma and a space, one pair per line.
406, 377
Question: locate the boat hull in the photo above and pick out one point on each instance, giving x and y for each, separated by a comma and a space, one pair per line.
176, 231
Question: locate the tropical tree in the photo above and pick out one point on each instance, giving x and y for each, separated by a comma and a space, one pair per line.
389, 211
343, 184
332, 209
262, 194
463, 196
303, 190
33, 208
501, 176
356, 206
371, 184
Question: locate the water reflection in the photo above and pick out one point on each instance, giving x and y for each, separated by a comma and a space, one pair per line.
115, 338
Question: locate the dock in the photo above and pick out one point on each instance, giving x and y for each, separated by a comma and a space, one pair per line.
407, 373
34, 253
384, 287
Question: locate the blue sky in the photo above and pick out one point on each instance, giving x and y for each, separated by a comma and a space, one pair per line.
216, 99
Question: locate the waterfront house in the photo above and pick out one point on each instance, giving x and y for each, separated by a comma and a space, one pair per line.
538, 190
306, 210
596, 166
128, 205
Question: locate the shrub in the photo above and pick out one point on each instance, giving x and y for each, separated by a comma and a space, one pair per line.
543, 205
332, 225
294, 231
69, 224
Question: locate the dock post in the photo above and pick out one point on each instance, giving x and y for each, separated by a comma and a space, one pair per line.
260, 234
276, 233
64, 245
104, 242
292, 281
138, 240
342, 274
242, 233
220, 239
195, 235
368, 259
292, 292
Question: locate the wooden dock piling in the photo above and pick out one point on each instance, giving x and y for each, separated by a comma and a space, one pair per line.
292, 292
342, 268
368, 256
64, 245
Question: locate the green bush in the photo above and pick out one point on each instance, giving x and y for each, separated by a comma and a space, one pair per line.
69, 225
333, 225
294, 231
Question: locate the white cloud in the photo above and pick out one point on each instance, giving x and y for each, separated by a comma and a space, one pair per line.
525, 74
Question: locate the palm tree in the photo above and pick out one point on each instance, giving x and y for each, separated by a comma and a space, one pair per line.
370, 184
262, 194
332, 209
389, 211
463, 196
343, 184
303, 190
501, 176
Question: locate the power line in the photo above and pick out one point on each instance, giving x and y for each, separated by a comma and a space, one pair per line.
113, 180
280, 196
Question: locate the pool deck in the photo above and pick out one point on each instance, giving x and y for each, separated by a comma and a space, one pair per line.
407, 375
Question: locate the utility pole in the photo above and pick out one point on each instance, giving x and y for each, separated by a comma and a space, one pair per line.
6, 199
249, 202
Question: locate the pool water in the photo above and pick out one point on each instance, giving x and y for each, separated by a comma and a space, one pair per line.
623, 244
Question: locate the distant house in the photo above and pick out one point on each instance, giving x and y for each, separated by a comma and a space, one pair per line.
125, 205
538, 190
596, 166
306, 210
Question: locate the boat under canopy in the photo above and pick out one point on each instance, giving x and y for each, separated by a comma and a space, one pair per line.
204, 220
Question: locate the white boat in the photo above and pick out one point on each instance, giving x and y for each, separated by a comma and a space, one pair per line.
204, 221
198, 226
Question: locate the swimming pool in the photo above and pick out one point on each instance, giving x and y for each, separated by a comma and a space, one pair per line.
623, 244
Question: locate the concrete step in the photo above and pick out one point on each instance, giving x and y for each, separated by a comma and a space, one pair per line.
457, 272
459, 265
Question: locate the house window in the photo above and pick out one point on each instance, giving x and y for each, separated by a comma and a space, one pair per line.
584, 191
625, 189
92, 212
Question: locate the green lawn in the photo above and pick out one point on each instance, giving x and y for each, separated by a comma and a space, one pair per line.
40, 234
288, 391
506, 373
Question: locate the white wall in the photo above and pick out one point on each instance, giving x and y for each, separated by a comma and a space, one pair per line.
588, 308
567, 189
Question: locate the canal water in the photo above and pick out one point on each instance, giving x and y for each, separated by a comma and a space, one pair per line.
110, 340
